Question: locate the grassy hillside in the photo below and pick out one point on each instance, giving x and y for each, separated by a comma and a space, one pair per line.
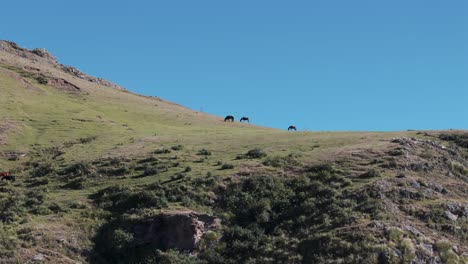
96, 165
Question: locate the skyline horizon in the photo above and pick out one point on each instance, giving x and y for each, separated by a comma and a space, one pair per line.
360, 66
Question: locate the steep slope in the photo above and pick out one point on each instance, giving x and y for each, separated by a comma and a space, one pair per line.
107, 176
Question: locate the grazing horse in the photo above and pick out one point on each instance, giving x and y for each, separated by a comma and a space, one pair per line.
245, 119
229, 118
292, 128
9, 178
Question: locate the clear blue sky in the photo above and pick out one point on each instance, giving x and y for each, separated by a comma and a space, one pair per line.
320, 65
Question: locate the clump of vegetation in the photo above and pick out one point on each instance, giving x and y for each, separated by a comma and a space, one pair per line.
252, 154
279, 218
459, 139
188, 169
282, 162
114, 171
227, 166
41, 169
150, 170
177, 147
372, 173
8, 245
204, 152
86, 140
458, 169
162, 151
41, 79
446, 252
396, 152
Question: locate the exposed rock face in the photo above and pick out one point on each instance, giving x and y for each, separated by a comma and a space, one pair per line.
44, 56
36, 55
179, 230
63, 84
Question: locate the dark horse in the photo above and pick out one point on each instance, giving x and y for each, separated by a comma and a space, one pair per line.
229, 118
292, 128
9, 178
245, 119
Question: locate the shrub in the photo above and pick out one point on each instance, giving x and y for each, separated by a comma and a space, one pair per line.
458, 168
459, 139
79, 169
86, 140
321, 168
188, 169
177, 147
162, 151
407, 248
42, 169
227, 166
372, 173
148, 160
150, 170
121, 240
396, 152
446, 252
41, 79
204, 152
111, 171
281, 162
253, 154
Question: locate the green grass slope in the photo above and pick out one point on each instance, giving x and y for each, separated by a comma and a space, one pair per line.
94, 162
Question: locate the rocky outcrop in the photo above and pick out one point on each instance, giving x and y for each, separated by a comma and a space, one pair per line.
41, 55
63, 85
36, 55
176, 230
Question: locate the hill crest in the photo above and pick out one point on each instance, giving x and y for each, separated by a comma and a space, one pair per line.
41, 57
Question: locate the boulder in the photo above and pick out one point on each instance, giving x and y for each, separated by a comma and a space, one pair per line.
451, 216
174, 230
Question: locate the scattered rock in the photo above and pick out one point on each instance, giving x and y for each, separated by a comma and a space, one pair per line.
450, 216
414, 231
416, 185
454, 208
39, 257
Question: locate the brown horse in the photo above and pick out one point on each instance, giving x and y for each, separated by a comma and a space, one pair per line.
229, 118
292, 128
245, 119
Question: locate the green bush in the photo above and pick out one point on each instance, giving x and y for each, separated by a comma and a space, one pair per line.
162, 151
204, 152
458, 168
150, 170
42, 169
282, 162
252, 154
114, 171
459, 139
79, 169
372, 173
177, 147
41, 79
227, 166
